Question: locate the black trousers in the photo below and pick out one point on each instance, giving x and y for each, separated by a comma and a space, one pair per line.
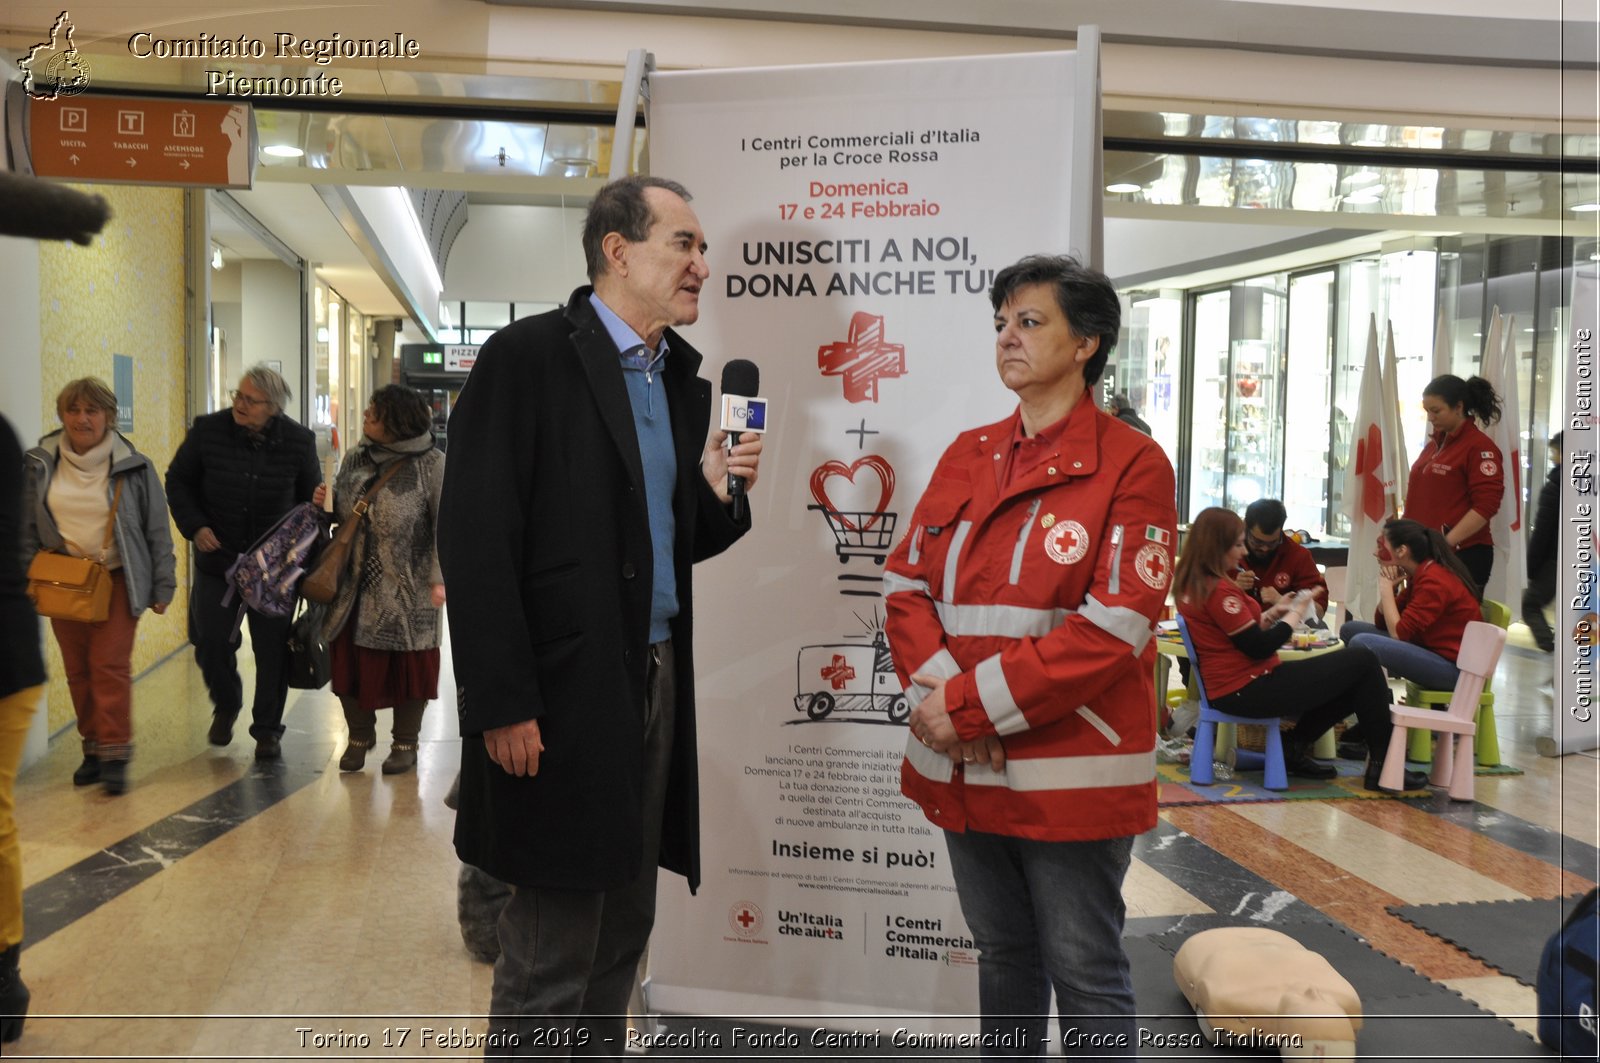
1541, 591
1317, 692
1479, 561
216, 646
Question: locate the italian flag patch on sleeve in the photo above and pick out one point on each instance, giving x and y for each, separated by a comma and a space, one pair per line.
1157, 535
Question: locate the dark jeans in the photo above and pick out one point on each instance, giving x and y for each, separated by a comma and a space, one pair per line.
569, 958
1317, 692
216, 647
1540, 593
1479, 561
1402, 660
1048, 915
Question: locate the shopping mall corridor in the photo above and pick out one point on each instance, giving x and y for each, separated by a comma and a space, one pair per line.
223, 908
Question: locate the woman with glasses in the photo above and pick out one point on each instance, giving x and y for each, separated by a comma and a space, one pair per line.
383, 627
235, 475
90, 493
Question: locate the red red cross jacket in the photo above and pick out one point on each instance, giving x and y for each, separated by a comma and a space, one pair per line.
1455, 474
1037, 604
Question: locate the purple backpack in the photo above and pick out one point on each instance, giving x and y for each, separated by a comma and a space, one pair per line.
266, 577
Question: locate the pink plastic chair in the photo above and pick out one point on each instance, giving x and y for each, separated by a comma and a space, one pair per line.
1454, 728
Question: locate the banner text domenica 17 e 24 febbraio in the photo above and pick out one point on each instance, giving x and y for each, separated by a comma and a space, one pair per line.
279, 48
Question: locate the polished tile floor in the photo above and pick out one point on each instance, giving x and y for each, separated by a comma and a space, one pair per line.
225, 910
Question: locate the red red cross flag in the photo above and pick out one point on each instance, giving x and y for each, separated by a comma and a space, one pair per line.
1371, 491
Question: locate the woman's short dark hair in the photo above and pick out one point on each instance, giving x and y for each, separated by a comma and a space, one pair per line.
1476, 397
1429, 544
402, 411
1205, 553
621, 207
90, 391
1084, 295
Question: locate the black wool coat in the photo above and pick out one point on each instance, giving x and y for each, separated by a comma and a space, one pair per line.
545, 545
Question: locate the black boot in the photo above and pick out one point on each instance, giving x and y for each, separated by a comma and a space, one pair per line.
13, 996
114, 777
88, 772
1298, 760
1414, 780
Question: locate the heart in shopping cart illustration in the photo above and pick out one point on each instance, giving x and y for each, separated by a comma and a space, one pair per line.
851, 501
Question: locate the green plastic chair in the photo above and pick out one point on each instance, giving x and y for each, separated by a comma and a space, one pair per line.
1486, 746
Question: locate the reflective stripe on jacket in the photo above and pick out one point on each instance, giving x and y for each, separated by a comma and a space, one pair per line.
1037, 604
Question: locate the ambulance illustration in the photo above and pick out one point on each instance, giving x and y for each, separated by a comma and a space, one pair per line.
849, 677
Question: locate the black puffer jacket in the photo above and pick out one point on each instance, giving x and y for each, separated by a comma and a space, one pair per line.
238, 484
1544, 541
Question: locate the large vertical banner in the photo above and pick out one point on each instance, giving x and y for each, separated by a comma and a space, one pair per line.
856, 216
1576, 724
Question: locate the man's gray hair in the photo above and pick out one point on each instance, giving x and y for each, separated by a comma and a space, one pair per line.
270, 383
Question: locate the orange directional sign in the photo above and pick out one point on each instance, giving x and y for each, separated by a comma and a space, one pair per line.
142, 141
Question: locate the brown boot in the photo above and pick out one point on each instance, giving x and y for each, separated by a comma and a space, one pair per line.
401, 759
355, 755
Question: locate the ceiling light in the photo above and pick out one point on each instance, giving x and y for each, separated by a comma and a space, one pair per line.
1361, 177
282, 151
576, 165
1370, 194
1586, 208
1122, 188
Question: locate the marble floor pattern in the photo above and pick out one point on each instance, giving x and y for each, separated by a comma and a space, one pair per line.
225, 910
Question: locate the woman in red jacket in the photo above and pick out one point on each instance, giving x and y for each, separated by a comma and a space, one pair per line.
1021, 608
1458, 480
1238, 649
1426, 599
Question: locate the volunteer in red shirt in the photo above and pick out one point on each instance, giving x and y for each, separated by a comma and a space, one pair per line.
1238, 649
1459, 479
1276, 566
1020, 613
1426, 599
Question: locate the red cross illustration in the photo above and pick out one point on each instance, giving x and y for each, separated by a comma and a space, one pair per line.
863, 359
745, 918
839, 672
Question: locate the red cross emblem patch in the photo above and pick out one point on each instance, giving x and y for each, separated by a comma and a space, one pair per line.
1067, 542
1153, 566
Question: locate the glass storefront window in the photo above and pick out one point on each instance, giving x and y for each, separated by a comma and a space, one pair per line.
1307, 393
1256, 335
1208, 442
1151, 364
1406, 282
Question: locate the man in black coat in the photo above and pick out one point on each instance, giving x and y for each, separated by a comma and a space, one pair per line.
1542, 547
235, 475
581, 490
1122, 409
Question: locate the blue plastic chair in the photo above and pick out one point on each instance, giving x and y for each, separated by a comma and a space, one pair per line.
1201, 770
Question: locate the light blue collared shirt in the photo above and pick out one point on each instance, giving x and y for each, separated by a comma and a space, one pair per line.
652, 423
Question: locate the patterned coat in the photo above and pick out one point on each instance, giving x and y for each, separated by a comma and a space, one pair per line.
394, 561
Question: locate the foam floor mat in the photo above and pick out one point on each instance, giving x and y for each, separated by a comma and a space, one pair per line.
1405, 1016
1174, 788
1506, 935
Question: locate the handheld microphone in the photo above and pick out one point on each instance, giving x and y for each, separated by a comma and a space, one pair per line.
742, 411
